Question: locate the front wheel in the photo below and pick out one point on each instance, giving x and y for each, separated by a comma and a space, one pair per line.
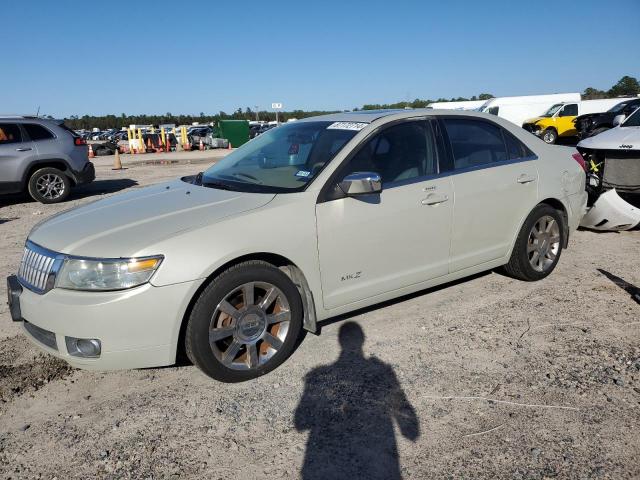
538, 246
550, 136
245, 323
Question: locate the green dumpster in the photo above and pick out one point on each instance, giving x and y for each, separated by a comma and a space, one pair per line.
236, 131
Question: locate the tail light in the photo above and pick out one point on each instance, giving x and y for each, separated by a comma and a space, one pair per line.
578, 158
79, 141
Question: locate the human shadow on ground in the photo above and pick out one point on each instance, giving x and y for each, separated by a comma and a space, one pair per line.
349, 408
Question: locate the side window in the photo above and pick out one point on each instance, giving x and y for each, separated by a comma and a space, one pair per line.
569, 110
401, 152
9, 133
37, 132
515, 148
474, 143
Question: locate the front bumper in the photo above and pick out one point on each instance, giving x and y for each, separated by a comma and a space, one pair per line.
86, 175
533, 128
136, 328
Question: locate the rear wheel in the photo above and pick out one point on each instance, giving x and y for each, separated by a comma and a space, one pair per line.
538, 245
245, 323
49, 185
550, 136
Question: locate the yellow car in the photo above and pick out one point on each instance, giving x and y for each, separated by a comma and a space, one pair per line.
555, 122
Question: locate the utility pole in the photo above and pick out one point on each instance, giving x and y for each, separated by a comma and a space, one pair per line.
256, 108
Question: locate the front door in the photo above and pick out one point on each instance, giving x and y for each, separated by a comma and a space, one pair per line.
565, 118
375, 244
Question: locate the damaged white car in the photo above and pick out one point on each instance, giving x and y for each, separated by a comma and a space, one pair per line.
613, 176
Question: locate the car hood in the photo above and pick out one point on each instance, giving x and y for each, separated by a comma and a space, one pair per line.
124, 225
534, 120
619, 138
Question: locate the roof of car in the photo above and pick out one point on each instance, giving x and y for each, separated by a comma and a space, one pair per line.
31, 118
369, 116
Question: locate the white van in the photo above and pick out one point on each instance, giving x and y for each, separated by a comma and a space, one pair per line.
462, 105
519, 109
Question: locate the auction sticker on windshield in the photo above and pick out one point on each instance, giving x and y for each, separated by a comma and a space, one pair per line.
357, 126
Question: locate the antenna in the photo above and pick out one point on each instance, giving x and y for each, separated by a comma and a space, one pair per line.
38, 111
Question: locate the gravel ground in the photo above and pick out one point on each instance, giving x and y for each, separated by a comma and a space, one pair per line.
483, 378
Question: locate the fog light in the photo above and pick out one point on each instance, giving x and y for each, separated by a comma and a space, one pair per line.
83, 347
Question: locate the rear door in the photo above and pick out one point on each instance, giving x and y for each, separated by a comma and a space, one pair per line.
43, 139
16, 153
495, 185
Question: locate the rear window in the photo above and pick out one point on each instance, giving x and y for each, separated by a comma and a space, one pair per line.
37, 132
73, 133
9, 133
475, 143
515, 147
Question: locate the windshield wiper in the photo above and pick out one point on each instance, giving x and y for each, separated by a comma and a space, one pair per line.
234, 176
218, 185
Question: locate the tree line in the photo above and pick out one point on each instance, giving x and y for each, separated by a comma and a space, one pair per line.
625, 86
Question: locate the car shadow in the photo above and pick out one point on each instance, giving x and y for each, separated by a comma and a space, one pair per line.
102, 187
97, 187
623, 284
394, 301
349, 408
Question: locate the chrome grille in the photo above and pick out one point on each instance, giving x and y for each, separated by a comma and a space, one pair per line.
35, 268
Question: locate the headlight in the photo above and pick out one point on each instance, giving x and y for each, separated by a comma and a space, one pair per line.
106, 273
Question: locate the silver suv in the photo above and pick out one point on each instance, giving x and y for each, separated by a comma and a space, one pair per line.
41, 156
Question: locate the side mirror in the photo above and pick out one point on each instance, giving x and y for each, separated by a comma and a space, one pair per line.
618, 119
361, 183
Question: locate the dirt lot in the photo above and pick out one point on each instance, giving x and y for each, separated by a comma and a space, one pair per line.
485, 378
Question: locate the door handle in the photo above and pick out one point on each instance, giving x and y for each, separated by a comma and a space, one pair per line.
434, 199
524, 178
23, 149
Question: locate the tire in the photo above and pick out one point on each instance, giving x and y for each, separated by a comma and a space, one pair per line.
550, 136
248, 338
49, 185
535, 257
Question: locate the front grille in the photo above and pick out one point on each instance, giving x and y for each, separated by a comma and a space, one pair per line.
35, 268
43, 336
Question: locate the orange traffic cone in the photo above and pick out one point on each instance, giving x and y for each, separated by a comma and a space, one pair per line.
201, 145
229, 147
91, 154
149, 146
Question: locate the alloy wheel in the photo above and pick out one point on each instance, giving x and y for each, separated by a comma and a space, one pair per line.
543, 243
249, 325
50, 186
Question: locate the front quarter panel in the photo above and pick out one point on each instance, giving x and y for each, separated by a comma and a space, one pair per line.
286, 227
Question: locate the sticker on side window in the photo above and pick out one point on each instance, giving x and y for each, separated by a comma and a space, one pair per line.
357, 126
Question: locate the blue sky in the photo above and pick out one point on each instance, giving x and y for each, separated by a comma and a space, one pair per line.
190, 57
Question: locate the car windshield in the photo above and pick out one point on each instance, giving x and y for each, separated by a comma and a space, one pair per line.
552, 110
618, 107
633, 120
283, 159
